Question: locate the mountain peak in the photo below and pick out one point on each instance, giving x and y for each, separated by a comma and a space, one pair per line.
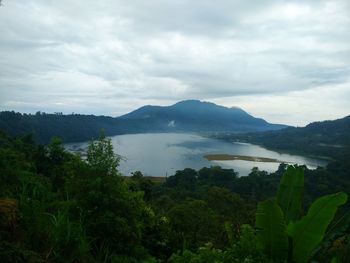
201, 116
198, 104
192, 103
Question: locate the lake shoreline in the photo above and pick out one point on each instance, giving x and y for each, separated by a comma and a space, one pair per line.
177, 151
232, 157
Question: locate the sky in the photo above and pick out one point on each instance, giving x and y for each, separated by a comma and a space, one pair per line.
284, 61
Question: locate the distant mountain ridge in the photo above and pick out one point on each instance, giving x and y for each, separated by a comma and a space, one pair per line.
198, 116
326, 138
184, 116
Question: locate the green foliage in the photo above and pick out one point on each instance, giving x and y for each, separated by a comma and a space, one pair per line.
68, 208
112, 216
138, 182
11, 252
101, 157
67, 239
194, 223
217, 176
242, 250
58, 207
70, 128
229, 206
290, 192
56, 151
206, 254
303, 234
271, 230
309, 231
184, 180
336, 243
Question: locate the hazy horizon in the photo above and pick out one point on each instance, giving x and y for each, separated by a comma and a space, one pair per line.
284, 61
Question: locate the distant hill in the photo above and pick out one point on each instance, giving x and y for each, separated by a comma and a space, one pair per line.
197, 116
326, 138
184, 116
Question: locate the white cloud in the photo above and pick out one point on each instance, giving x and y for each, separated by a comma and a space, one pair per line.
109, 57
297, 107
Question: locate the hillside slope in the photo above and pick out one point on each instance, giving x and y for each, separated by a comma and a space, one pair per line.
326, 138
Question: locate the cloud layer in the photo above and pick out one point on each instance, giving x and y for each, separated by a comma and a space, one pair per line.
285, 61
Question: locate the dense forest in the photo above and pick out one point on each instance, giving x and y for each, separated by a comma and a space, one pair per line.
70, 128
330, 139
57, 207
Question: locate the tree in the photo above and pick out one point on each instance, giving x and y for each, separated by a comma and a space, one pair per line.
230, 206
113, 217
194, 223
185, 179
138, 182
101, 157
56, 151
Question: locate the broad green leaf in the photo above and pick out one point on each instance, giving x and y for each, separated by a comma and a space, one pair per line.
309, 231
334, 231
290, 192
335, 260
271, 230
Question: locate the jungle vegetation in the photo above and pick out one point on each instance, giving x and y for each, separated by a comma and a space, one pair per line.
58, 207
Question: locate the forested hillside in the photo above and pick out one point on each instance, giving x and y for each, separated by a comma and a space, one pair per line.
44, 126
326, 138
56, 207
70, 128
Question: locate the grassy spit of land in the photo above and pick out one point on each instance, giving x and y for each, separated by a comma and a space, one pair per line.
228, 157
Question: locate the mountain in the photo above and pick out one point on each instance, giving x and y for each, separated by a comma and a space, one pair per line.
327, 138
184, 116
198, 116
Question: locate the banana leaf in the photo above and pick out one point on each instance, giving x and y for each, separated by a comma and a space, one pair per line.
334, 231
271, 230
309, 231
289, 193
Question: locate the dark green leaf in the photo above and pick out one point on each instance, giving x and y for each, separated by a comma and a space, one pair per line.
290, 192
308, 232
271, 230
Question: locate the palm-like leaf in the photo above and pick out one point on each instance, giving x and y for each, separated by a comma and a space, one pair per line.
290, 192
271, 230
308, 232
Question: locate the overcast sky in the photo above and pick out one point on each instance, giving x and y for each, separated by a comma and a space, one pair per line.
285, 61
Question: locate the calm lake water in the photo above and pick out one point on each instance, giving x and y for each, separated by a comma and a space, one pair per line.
161, 154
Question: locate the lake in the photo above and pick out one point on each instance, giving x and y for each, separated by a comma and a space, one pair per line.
161, 154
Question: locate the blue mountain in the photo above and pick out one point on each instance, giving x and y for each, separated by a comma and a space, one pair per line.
198, 116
